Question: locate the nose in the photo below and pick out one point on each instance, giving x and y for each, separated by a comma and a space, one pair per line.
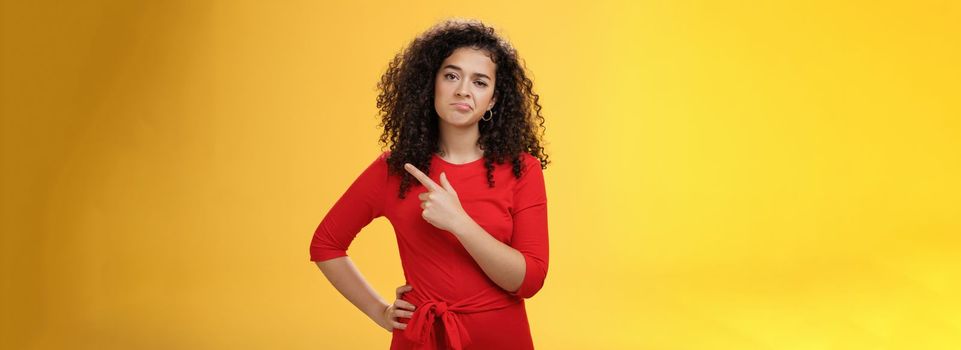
462, 91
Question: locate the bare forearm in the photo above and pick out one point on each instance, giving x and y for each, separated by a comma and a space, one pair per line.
501, 262
345, 277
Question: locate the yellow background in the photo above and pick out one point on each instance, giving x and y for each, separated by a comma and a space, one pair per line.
725, 176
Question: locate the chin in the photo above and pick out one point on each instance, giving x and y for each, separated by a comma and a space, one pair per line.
459, 121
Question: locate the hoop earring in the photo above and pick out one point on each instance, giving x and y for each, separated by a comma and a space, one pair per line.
488, 118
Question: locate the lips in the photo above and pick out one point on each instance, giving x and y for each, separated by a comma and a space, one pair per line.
461, 106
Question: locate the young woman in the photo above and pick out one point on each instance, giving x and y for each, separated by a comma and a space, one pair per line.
462, 122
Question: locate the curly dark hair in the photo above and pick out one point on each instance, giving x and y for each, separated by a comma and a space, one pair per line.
410, 121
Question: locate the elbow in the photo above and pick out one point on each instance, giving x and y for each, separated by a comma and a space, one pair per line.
320, 254
535, 272
325, 249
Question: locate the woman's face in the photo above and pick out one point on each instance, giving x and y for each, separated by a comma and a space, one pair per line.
464, 87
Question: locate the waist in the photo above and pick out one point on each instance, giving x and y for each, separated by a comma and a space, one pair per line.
429, 310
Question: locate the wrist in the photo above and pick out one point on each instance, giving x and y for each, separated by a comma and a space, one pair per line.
376, 311
380, 317
464, 227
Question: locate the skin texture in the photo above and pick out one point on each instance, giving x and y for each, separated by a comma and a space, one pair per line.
483, 72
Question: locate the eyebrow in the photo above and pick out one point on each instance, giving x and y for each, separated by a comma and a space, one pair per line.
451, 66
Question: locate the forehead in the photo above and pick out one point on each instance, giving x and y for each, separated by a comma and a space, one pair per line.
471, 61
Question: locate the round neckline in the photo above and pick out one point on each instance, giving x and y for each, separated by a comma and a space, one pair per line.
437, 156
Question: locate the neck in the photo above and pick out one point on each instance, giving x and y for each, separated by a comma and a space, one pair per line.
459, 144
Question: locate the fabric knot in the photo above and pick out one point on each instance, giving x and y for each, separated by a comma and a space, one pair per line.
420, 328
441, 308
446, 316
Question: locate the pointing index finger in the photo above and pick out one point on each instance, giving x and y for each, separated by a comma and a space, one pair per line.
426, 181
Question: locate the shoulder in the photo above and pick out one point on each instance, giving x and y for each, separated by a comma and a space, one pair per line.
530, 166
382, 158
379, 164
530, 184
530, 162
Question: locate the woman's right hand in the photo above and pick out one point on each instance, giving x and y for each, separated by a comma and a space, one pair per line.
399, 308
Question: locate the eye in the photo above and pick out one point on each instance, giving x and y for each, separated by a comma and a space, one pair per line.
449, 75
481, 83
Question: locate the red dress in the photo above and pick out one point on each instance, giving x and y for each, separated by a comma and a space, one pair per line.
457, 305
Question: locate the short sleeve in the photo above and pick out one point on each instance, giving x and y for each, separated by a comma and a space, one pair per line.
530, 226
358, 206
